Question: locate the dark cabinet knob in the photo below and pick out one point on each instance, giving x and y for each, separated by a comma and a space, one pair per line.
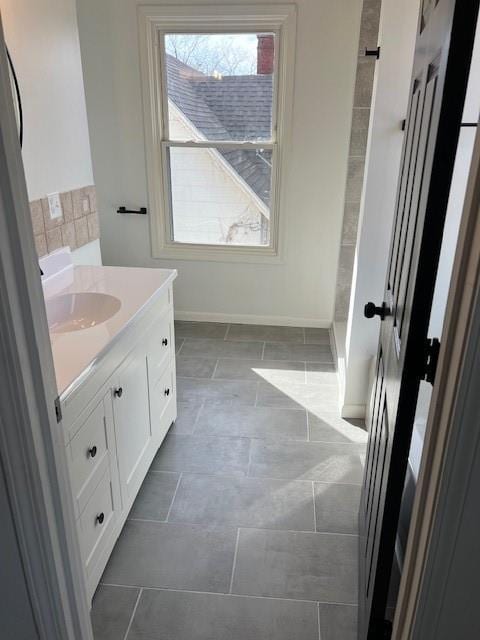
118, 392
167, 392
92, 452
165, 342
371, 310
100, 518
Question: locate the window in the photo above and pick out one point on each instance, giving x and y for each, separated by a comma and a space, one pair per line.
215, 91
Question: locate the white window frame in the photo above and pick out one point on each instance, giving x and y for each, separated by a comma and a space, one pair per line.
154, 21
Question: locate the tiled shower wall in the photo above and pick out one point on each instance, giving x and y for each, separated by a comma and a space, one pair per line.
77, 226
356, 157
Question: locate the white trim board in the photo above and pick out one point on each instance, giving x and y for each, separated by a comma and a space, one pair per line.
32, 453
353, 411
239, 318
339, 335
154, 20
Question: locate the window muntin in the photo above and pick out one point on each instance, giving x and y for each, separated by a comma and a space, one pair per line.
218, 139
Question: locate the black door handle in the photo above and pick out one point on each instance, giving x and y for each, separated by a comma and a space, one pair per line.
371, 310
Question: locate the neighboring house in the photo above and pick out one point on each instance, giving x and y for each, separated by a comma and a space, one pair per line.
219, 196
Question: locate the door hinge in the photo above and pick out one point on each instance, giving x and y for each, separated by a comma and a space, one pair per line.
58, 409
432, 349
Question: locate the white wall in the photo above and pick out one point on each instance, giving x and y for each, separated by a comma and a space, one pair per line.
42, 36
398, 24
301, 288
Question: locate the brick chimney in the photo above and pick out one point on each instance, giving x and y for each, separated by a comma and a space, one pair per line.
265, 54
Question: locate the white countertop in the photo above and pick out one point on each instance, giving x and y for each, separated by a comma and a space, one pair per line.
76, 351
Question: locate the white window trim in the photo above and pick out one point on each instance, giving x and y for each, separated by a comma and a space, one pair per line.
154, 20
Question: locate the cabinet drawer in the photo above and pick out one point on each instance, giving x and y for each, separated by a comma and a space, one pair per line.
160, 347
88, 449
97, 522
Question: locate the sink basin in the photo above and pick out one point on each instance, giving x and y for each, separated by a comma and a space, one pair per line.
75, 311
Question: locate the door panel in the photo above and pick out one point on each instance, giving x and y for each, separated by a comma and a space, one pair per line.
440, 72
132, 422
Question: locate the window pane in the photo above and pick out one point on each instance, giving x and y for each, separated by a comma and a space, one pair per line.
221, 196
220, 87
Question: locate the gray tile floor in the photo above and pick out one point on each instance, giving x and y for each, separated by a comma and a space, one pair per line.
245, 526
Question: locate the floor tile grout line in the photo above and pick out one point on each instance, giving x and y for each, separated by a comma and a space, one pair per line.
173, 497
133, 614
269, 439
215, 369
180, 348
197, 418
308, 425
263, 351
304, 336
234, 560
318, 622
249, 458
274, 478
314, 508
224, 593
202, 525
234, 436
225, 337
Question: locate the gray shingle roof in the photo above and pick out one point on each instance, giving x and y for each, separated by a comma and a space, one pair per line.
233, 108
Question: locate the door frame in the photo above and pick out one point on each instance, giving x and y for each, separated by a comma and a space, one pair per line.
32, 448
450, 445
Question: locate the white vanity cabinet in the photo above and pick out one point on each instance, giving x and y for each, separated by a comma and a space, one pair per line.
114, 422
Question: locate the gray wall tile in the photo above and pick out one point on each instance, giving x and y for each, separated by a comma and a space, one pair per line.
353, 191
359, 133
358, 141
350, 223
364, 82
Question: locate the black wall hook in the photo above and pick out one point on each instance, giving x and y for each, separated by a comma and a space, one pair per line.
375, 53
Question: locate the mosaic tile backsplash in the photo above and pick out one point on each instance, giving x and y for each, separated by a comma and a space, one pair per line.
77, 226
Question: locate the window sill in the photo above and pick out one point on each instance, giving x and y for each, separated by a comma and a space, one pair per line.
212, 253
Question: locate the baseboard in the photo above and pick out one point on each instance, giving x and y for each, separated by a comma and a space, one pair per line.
354, 411
337, 337
237, 318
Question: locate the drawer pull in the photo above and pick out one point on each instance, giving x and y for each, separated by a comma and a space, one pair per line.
165, 342
118, 392
100, 518
92, 452
167, 392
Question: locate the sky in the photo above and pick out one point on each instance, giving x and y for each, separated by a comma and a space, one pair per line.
227, 54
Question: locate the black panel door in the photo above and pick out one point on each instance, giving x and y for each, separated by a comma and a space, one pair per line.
444, 44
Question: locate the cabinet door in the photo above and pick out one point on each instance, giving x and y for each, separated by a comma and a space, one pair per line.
132, 423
